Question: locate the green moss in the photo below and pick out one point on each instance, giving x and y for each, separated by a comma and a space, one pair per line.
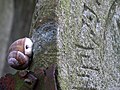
18, 82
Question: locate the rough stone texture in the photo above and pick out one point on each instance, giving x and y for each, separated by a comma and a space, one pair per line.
87, 43
44, 49
44, 32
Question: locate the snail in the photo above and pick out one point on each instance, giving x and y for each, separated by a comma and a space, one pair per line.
20, 53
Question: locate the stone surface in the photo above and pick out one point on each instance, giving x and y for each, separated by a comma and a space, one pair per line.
87, 42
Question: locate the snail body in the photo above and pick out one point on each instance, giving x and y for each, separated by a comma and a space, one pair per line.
19, 53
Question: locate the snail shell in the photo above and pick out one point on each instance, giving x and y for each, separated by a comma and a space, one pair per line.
19, 53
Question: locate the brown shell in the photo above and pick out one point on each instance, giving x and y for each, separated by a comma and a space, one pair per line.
20, 57
18, 45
